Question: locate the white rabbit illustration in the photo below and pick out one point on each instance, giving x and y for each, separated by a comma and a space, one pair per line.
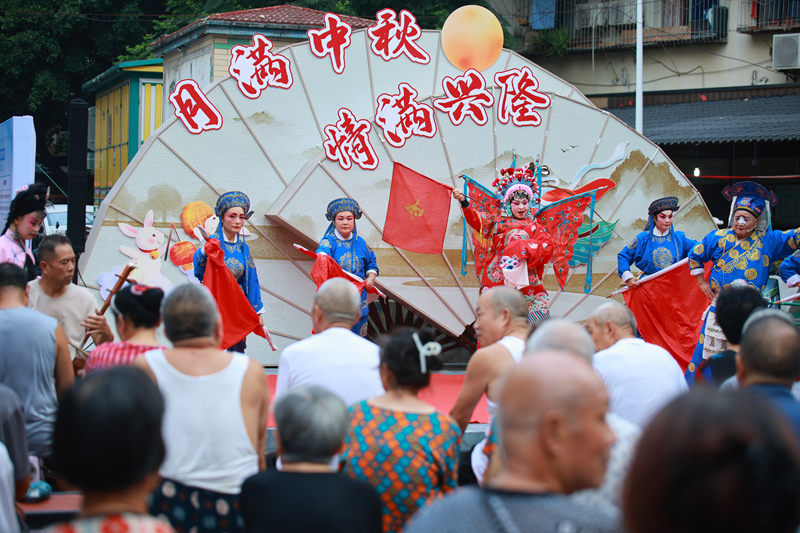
151, 244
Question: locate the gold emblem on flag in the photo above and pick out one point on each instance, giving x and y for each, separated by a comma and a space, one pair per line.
414, 209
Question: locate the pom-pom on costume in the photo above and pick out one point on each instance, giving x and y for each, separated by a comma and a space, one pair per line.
237, 253
746, 261
651, 251
512, 251
13, 249
352, 254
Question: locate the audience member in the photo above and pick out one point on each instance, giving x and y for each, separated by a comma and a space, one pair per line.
769, 361
34, 361
555, 440
397, 442
307, 494
108, 444
14, 467
335, 358
640, 377
501, 323
137, 315
734, 304
55, 295
216, 416
563, 335
8, 517
13, 436
714, 462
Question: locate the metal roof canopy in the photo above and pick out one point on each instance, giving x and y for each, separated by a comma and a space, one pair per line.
771, 118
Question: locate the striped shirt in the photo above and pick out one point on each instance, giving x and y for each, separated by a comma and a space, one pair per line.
114, 354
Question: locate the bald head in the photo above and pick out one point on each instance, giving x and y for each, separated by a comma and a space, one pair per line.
552, 421
505, 298
770, 349
609, 323
339, 301
561, 334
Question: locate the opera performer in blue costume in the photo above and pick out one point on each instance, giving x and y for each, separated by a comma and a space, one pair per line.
790, 270
741, 254
658, 246
233, 209
342, 243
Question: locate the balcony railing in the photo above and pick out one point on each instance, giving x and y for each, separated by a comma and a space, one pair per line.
558, 26
768, 15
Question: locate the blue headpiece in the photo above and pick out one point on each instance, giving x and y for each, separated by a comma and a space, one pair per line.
233, 199
343, 204
669, 203
750, 196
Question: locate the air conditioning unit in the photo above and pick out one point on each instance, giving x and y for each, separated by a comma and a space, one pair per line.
591, 14
786, 51
622, 12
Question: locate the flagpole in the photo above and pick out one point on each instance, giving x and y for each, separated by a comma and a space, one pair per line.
652, 276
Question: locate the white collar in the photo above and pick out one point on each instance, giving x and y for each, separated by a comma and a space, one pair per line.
339, 235
225, 238
658, 233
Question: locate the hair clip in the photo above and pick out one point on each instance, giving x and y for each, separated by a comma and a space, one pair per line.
430, 348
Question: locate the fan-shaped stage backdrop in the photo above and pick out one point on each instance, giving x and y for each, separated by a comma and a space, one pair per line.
294, 144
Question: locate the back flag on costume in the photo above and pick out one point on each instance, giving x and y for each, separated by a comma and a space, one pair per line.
239, 319
669, 307
419, 207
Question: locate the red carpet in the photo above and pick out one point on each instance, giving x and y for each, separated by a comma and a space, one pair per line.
442, 394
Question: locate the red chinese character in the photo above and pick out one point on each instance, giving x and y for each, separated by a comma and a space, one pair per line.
256, 68
194, 108
391, 38
400, 116
331, 40
520, 97
465, 95
348, 141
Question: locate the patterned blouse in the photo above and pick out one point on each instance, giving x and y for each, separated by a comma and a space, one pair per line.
113, 523
411, 459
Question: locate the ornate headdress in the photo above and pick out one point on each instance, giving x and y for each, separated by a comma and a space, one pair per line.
233, 199
29, 198
753, 198
513, 182
340, 205
669, 203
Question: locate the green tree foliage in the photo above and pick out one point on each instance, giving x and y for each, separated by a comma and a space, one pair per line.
49, 48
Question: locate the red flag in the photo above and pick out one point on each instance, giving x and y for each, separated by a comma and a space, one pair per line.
416, 219
669, 307
239, 319
326, 268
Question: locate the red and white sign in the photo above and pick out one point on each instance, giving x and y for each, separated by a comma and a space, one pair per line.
520, 98
256, 68
466, 95
400, 116
331, 41
194, 108
347, 141
392, 38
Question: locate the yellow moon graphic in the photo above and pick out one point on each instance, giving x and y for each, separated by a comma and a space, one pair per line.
472, 38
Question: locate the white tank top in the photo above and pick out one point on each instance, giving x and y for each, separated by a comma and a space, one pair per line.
480, 461
204, 432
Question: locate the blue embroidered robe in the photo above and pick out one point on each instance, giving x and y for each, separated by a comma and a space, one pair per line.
651, 253
747, 260
353, 255
239, 262
790, 267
